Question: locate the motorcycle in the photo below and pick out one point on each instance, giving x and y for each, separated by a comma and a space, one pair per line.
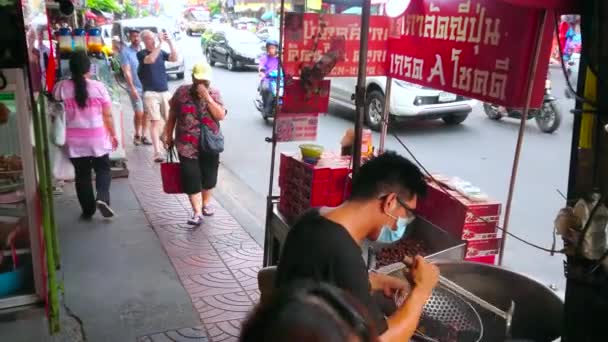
273, 76
548, 117
572, 67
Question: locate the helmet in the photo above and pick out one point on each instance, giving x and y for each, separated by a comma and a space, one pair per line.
271, 41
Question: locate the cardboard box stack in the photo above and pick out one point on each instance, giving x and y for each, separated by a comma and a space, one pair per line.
473, 222
304, 186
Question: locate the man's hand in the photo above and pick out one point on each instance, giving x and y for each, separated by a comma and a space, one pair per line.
387, 283
424, 275
134, 93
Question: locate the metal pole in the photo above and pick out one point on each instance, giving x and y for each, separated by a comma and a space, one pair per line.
385, 113
268, 240
360, 97
522, 129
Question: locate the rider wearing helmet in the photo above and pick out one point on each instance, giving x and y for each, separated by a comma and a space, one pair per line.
268, 62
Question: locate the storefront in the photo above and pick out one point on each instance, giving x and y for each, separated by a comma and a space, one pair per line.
29, 162
28, 244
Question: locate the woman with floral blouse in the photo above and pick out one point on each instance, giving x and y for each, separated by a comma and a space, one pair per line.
190, 107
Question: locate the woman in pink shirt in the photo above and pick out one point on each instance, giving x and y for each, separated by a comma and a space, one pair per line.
90, 134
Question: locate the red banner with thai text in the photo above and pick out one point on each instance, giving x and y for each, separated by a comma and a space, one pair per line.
309, 37
476, 48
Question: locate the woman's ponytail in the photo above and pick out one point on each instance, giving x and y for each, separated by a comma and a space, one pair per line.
80, 64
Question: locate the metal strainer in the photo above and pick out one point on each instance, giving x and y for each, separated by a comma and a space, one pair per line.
447, 317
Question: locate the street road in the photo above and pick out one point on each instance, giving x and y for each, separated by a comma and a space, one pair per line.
479, 150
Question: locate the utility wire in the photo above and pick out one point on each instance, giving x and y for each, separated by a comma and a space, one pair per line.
444, 189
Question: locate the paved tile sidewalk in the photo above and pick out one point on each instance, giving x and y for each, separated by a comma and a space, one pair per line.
217, 262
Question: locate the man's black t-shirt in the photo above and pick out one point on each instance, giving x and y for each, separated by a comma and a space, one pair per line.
319, 249
153, 76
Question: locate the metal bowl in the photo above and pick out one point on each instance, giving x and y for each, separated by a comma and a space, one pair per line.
538, 310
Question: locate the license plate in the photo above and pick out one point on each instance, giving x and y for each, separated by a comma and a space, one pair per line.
446, 97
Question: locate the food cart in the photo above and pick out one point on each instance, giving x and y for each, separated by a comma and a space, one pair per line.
465, 73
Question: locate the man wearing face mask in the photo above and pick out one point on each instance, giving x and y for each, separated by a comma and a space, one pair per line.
326, 247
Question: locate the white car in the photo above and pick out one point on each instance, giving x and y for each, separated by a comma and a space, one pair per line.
408, 101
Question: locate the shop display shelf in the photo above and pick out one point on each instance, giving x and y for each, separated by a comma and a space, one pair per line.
13, 210
18, 300
20, 251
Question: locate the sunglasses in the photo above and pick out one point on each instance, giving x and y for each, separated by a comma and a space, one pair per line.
401, 203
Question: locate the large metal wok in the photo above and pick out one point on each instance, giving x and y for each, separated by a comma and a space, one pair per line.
538, 311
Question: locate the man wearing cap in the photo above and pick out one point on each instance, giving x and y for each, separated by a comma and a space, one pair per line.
190, 107
129, 65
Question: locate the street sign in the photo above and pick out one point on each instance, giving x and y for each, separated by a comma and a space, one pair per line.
308, 37
476, 48
297, 127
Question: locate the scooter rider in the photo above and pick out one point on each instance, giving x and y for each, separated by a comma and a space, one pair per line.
268, 62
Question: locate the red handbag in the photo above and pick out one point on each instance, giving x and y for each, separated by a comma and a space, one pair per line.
171, 175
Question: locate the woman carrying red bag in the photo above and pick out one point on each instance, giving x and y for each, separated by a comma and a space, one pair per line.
190, 107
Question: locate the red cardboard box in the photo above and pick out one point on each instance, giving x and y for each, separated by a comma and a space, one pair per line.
304, 186
489, 259
483, 248
457, 215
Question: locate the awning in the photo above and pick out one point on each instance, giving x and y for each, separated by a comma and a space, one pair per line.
561, 5
256, 6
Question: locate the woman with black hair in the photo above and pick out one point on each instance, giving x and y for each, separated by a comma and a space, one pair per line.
90, 134
309, 312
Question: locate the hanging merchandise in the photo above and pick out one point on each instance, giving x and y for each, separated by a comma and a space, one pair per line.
80, 39
94, 43
66, 42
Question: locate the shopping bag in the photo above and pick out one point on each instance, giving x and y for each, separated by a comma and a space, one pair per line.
62, 166
57, 113
211, 139
171, 175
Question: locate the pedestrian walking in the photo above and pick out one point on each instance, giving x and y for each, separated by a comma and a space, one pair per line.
153, 76
129, 65
191, 107
90, 134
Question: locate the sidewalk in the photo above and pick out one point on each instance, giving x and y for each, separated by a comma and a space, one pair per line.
217, 262
146, 275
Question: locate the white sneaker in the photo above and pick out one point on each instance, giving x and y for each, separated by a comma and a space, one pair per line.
105, 209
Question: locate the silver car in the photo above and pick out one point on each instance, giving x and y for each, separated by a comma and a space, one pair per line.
408, 101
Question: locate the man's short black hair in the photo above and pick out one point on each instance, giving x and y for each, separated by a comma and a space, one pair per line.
386, 173
134, 30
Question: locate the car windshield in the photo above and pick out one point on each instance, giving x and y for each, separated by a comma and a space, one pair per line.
242, 37
200, 15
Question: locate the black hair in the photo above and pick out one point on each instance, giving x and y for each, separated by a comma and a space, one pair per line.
308, 312
386, 173
134, 30
80, 64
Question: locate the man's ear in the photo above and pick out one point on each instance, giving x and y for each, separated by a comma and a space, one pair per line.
388, 204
